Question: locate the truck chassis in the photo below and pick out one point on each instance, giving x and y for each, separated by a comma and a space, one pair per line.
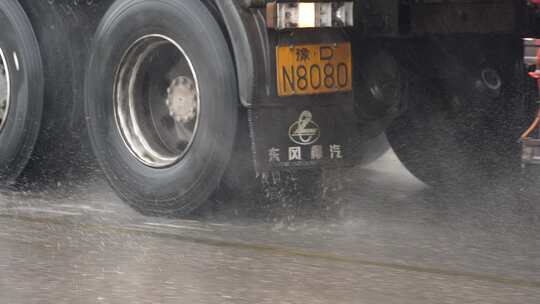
178, 99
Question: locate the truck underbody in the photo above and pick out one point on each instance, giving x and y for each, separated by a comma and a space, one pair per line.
180, 99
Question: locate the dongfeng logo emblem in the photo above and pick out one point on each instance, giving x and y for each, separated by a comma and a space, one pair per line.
305, 131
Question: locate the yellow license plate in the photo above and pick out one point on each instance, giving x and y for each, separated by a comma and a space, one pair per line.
314, 69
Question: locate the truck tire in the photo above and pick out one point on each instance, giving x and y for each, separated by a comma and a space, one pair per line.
161, 103
63, 30
21, 90
464, 117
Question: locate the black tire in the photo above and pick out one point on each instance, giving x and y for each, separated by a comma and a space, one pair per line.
64, 30
24, 68
180, 187
456, 133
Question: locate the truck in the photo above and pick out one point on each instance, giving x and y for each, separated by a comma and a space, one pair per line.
178, 99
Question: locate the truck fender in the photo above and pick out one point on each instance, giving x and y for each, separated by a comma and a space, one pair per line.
248, 39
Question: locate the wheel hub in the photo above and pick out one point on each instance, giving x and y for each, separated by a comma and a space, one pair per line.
4, 90
156, 101
182, 99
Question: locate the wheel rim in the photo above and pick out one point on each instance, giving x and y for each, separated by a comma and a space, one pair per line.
4, 90
156, 101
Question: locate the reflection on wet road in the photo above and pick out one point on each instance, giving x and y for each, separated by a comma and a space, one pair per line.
384, 238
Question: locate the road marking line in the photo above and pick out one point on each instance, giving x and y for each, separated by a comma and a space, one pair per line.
177, 226
86, 208
41, 210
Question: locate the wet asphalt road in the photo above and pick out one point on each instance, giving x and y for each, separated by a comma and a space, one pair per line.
383, 237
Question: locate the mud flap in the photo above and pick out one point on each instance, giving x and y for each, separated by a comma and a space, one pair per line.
303, 136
